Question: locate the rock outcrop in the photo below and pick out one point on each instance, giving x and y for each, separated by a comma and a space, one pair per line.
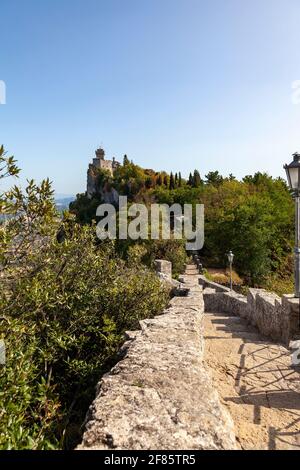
100, 163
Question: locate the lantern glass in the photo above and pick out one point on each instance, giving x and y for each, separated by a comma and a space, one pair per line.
293, 173
230, 257
293, 177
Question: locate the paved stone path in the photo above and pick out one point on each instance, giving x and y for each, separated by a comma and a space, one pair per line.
254, 379
160, 396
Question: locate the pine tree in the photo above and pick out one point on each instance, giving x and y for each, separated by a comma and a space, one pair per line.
179, 180
125, 160
214, 178
166, 180
176, 180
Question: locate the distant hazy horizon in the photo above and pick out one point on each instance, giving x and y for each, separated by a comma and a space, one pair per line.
174, 84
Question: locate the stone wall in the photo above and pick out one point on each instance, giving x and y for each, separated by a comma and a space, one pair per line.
275, 317
213, 285
164, 269
160, 395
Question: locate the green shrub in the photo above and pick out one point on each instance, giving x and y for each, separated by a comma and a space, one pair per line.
170, 250
65, 303
66, 321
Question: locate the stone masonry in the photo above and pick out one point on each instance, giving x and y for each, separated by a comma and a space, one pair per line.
164, 269
99, 162
275, 317
160, 395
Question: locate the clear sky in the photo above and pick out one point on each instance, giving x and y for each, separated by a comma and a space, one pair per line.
175, 84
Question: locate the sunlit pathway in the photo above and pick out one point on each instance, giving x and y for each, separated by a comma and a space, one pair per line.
255, 381
190, 276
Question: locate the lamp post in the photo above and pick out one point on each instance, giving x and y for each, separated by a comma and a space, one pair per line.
230, 256
293, 177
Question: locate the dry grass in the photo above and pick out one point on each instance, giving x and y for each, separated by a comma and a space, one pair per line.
222, 276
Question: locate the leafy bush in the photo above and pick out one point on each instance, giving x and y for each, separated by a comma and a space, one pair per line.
170, 250
66, 319
65, 304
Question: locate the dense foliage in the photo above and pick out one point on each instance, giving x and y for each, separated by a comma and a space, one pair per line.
66, 299
65, 302
254, 218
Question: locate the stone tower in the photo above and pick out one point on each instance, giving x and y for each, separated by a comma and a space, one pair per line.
99, 162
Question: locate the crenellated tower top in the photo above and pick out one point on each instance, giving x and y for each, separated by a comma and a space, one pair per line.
100, 154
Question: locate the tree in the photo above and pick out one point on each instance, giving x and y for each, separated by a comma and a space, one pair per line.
255, 222
130, 177
197, 179
191, 180
148, 182
258, 179
159, 180
172, 183
166, 180
214, 178
179, 180
176, 180
31, 215
66, 301
125, 160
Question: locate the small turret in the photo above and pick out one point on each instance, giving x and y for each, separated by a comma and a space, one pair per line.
100, 154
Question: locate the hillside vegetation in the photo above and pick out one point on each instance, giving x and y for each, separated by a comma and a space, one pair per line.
65, 302
66, 299
253, 217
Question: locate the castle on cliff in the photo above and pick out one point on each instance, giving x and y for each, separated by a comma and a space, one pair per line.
99, 162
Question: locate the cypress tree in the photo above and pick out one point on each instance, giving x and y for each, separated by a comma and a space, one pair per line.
172, 183
191, 180
196, 179
159, 180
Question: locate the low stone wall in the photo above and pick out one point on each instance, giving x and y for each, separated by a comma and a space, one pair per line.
227, 302
212, 285
160, 395
275, 317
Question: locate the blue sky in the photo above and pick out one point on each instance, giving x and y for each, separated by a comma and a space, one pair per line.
175, 84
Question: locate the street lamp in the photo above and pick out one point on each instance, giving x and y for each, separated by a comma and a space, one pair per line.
230, 256
293, 176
